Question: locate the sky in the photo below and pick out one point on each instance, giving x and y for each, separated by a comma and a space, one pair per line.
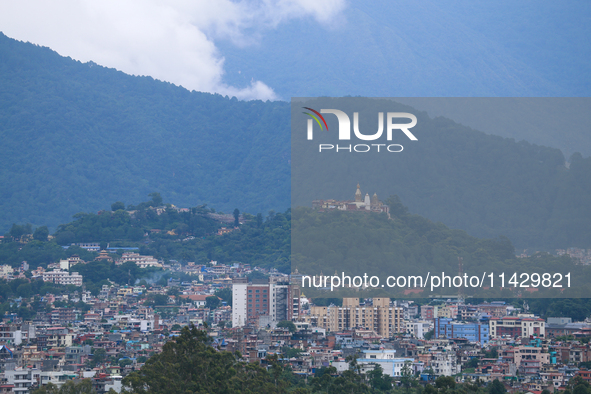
174, 41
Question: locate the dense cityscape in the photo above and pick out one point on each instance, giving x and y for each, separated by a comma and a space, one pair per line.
261, 313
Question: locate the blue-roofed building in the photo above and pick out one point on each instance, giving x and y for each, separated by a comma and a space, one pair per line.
474, 332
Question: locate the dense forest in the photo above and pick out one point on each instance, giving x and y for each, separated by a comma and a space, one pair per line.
76, 137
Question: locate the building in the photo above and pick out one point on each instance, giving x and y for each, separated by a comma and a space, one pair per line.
21, 379
275, 299
6, 271
359, 204
381, 318
494, 309
139, 260
522, 326
90, 246
10, 334
529, 359
62, 277
104, 256
444, 363
474, 332
427, 312
386, 358
418, 329
563, 326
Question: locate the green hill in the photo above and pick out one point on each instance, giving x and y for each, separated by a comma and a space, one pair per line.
76, 137
337, 243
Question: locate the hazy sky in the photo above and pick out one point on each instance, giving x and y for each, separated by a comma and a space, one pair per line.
169, 40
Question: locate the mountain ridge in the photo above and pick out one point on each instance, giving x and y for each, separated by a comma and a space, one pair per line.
77, 137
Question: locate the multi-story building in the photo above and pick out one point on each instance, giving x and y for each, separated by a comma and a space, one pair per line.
381, 318
274, 299
387, 360
521, 326
474, 332
444, 363
22, 379
427, 312
494, 309
529, 359
62, 277
61, 316
139, 260
54, 337
418, 328
10, 334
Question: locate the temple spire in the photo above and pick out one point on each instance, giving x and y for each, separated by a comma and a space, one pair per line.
358, 197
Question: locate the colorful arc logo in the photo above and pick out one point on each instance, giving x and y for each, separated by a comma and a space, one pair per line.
316, 118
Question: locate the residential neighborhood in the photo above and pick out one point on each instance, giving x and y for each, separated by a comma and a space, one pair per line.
261, 313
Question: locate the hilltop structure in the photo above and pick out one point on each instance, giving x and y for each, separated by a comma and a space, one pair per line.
360, 204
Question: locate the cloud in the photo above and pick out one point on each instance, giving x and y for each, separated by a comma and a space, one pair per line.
172, 41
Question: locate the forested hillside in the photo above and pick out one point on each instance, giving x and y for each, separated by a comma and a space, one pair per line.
168, 235
357, 243
76, 137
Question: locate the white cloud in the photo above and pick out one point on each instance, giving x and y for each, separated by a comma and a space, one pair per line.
173, 41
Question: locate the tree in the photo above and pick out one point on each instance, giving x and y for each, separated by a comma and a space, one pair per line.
287, 324
25, 290
135, 234
156, 199
492, 353
377, 379
82, 387
236, 217
70, 387
157, 299
116, 206
99, 356
225, 294
65, 237
188, 364
17, 231
49, 388
497, 387
407, 377
41, 233
212, 302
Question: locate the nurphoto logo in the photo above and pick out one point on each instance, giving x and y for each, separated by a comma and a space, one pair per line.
345, 130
